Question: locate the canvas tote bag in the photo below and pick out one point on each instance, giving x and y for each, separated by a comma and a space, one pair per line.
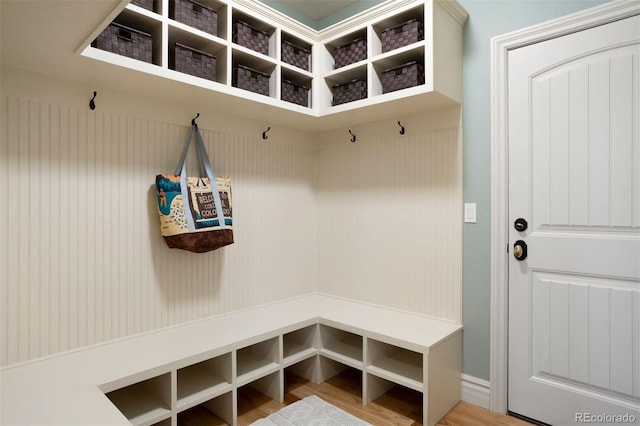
192, 216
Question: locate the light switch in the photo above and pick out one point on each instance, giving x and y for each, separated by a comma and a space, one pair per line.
470, 212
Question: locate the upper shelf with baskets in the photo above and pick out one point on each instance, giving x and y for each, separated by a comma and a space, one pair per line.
400, 49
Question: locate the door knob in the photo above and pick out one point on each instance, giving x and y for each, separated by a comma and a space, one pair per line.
520, 250
520, 224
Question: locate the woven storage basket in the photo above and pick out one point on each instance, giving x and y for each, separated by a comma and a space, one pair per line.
351, 52
145, 4
401, 35
295, 55
195, 15
125, 41
250, 37
349, 92
407, 75
191, 61
249, 79
295, 93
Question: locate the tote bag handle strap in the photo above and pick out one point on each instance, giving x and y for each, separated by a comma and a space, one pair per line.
208, 168
185, 151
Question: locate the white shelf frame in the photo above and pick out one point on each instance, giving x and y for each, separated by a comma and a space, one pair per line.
431, 52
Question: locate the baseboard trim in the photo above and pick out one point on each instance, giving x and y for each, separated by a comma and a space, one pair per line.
475, 391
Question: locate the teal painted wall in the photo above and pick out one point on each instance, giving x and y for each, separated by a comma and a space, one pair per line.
487, 18
340, 15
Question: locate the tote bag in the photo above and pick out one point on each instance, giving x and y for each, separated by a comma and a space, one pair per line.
192, 216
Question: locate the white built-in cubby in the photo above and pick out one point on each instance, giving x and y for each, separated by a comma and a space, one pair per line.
341, 346
439, 53
208, 368
316, 352
147, 402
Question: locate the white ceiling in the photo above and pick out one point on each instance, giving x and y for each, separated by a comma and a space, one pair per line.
316, 9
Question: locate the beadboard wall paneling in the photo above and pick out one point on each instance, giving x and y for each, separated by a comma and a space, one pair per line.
82, 260
389, 217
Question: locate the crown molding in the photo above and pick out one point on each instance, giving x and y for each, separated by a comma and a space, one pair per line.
454, 9
370, 15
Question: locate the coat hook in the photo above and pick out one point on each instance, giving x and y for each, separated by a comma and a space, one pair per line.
264, 134
401, 128
353, 137
92, 103
193, 120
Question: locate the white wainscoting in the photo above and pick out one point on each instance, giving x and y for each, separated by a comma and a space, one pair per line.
390, 216
82, 260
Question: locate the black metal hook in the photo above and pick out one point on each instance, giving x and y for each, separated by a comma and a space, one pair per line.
193, 120
264, 134
92, 103
401, 128
353, 137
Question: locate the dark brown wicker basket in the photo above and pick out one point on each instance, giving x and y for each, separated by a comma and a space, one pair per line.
249, 79
402, 35
406, 75
145, 4
125, 41
295, 55
350, 53
192, 61
250, 37
195, 15
295, 93
349, 92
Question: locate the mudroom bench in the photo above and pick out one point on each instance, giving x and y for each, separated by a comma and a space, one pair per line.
148, 379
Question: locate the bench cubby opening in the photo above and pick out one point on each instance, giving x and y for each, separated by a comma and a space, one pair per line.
145, 403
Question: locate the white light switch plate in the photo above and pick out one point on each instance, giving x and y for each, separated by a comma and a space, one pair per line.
470, 212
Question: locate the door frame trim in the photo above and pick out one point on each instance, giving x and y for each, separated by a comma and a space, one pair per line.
500, 47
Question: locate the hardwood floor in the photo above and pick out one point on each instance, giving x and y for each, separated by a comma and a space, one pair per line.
398, 407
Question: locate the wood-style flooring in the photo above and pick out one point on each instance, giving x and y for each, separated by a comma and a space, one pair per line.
398, 407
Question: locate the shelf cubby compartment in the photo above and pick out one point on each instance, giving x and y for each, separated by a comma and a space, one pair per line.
389, 23
145, 403
267, 67
256, 31
328, 63
257, 360
197, 11
340, 77
296, 52
299, 345
341, 346
386, 394
146, 6
210, 46
296, 88
399, 365
216, 411
203, 381
132, 22
251, 393
404, 55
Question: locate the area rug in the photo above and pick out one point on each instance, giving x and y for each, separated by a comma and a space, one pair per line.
311, 411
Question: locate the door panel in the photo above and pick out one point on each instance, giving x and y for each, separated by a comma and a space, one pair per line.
574, 175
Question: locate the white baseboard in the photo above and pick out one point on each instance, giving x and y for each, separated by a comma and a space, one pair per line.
475, 391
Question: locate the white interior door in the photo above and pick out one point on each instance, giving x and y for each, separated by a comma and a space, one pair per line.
574, 176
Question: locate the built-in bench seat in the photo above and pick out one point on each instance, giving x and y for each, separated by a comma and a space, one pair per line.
148, 379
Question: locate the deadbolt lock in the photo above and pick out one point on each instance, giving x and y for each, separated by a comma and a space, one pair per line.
520, 224
520, 250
